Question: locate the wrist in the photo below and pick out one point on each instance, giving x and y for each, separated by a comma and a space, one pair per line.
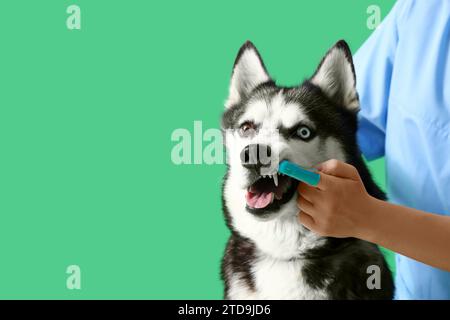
368, 219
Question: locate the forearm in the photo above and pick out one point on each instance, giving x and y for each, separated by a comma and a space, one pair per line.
419, 235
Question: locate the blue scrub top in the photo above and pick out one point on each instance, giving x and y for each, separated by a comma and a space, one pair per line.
403, 78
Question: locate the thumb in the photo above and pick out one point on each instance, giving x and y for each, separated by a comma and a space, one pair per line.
339, 169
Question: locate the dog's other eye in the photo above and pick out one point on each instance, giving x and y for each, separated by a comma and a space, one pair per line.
304, 133
247, 128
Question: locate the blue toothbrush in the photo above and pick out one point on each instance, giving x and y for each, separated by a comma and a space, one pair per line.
295, 171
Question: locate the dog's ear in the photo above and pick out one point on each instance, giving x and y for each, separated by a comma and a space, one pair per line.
248, 72
336, 77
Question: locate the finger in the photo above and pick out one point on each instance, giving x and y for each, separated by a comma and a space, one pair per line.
338, 168
305, 205
325, 181
310, 193
306, 220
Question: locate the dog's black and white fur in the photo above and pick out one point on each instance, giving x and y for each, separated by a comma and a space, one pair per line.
270, 255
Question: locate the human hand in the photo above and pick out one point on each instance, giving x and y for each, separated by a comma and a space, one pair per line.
337, 207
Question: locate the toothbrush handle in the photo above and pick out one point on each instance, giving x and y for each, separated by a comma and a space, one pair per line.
295, 171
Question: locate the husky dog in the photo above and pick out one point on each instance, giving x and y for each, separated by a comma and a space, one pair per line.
270, 255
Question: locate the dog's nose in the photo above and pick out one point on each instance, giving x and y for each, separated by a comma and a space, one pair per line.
256, 156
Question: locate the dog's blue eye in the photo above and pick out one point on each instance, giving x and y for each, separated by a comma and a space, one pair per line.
304, 132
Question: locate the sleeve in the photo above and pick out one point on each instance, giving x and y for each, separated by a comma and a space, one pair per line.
373, 66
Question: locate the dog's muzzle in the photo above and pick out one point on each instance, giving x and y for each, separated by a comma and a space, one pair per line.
268, 189
257, 157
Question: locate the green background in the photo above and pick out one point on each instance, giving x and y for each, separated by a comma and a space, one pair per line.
86, 118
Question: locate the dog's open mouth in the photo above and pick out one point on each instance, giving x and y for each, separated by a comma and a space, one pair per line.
267, 193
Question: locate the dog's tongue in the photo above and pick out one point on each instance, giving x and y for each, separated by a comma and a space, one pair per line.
259, 200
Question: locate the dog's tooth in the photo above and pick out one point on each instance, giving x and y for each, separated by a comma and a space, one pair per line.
275, 179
